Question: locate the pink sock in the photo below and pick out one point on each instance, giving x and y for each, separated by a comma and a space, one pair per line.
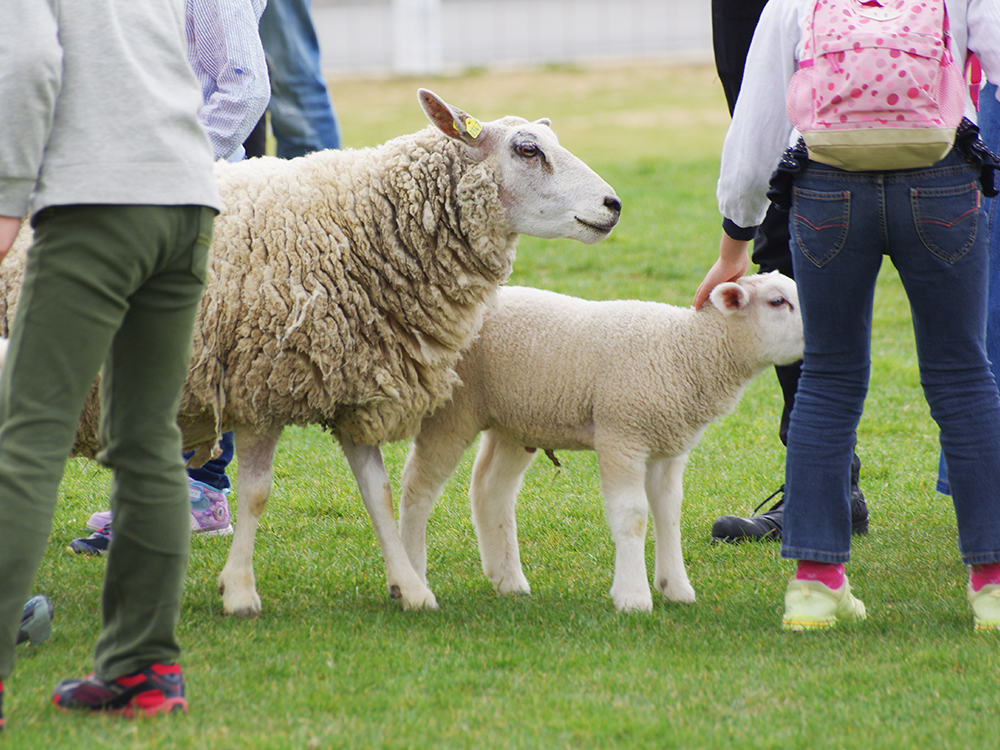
983, 575
829, 574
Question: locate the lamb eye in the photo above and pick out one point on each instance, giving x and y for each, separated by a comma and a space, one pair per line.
777, 302
527, 150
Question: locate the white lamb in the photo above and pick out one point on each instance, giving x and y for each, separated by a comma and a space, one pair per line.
637, 382
343, 287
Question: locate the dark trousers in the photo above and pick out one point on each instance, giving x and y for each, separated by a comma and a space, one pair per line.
114, 288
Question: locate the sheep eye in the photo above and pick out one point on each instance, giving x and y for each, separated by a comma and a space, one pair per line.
527, 150
777, 302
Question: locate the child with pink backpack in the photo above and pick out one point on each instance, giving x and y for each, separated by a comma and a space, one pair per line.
875, 153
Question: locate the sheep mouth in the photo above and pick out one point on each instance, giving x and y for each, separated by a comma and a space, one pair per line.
602, 228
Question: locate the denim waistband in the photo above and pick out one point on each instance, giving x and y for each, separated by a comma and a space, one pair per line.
967, 143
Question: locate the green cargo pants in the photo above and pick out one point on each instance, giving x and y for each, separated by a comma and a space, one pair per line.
115, 289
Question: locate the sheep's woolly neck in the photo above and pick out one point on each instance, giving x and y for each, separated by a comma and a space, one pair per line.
344, 284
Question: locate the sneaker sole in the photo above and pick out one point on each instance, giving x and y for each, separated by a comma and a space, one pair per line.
85, 551
136, 708
161, 706
799, 626
228, 531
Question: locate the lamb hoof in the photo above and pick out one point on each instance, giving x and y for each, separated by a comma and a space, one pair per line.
684, 594
513, 585
635, 603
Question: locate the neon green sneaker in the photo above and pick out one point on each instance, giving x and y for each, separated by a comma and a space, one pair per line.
985, 607
811, 605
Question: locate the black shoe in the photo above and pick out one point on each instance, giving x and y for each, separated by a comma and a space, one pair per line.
767, 526
859, 512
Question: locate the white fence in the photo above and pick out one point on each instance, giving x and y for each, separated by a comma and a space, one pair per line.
420, 36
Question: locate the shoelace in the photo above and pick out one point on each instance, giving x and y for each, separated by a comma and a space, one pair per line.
768, 499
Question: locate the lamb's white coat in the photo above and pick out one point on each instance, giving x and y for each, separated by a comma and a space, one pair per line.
344, 285
637, 382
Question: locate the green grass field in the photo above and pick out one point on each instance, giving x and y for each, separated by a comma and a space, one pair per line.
333, 663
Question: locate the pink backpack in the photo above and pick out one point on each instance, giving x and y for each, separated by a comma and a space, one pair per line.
878, 87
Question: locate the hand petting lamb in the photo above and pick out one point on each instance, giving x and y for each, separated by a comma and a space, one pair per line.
637, 382
344, 285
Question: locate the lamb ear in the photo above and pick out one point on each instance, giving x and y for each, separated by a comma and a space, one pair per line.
544, 121
729, 298
450, 120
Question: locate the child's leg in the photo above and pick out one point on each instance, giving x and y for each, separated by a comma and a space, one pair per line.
140, 394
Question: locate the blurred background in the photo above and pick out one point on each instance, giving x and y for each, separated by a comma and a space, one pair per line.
419, 37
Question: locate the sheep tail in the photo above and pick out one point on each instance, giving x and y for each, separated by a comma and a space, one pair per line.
551, 454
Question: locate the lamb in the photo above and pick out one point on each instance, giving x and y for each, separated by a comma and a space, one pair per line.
343, 286
637, 382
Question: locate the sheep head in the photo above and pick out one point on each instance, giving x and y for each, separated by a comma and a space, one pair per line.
769, 303
547, 191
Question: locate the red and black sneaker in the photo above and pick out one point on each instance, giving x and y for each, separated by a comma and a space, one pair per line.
158, 688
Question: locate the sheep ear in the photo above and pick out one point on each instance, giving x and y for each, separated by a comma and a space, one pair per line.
730, 298
450, 120
544, 121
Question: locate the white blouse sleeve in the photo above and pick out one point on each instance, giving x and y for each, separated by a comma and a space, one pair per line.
760, 130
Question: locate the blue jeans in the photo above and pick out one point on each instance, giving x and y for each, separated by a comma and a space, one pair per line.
989, 131
302, 115
213, 473
931, 225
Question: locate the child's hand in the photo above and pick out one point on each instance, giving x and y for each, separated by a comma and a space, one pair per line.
733, 262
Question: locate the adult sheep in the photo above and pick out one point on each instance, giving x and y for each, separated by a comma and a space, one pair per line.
342, 288
637, 382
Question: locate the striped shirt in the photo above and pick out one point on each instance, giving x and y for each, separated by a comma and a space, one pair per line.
226, 56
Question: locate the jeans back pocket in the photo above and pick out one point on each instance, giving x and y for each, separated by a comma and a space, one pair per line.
947, 219
820, 221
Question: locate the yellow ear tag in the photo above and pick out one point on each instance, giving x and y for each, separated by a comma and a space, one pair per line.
473, 127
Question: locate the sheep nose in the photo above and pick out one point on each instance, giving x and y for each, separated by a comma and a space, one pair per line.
612, 203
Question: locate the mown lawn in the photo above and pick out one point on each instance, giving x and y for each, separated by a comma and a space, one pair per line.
333, 663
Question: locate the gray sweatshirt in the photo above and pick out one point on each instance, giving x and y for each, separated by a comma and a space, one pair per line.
98, 105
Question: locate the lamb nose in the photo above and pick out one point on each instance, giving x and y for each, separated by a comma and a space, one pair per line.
613, 203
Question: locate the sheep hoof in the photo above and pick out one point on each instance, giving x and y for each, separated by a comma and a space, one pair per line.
243, 606
634, 603
422, 598
683, 594
246, 613
512, 585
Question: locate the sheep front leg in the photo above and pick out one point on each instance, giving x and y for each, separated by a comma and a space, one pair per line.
622, 484
373, 482
436, 451
253, 487
496, 478
665, 490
